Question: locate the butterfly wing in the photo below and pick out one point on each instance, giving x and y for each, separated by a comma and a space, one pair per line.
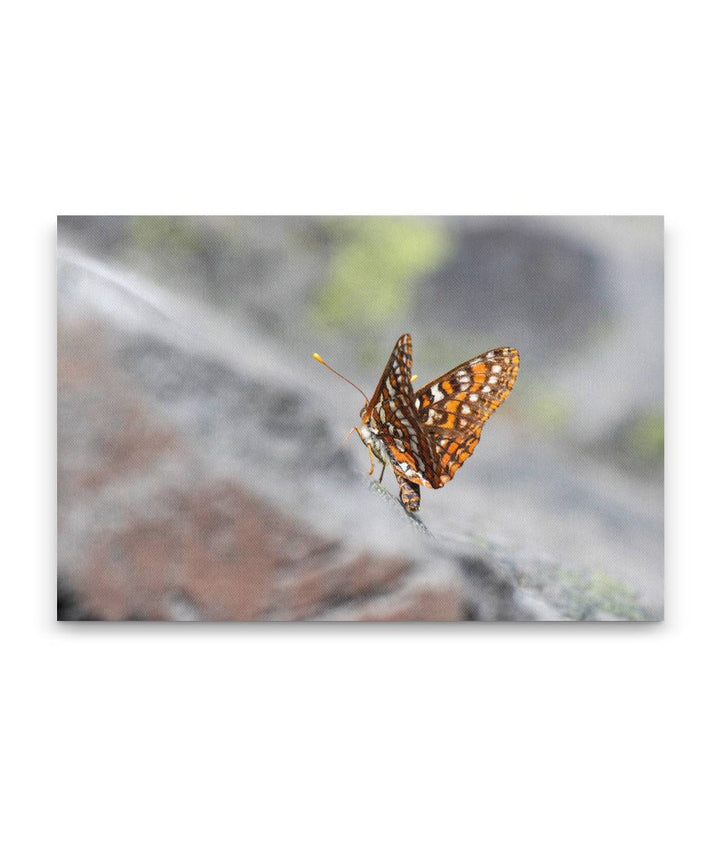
393, 415
453, 408
395, 379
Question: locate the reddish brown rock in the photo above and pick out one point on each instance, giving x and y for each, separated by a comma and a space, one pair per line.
221, 553
170, 465
202, 548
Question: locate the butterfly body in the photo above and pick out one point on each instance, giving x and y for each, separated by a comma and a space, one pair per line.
386, 454
426, 436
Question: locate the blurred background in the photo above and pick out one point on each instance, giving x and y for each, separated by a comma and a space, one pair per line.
201, 468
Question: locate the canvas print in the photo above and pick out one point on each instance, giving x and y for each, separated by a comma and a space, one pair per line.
360, 418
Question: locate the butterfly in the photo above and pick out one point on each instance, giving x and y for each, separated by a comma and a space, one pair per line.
427, 435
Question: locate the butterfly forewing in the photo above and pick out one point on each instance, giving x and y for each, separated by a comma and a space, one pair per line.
395, 379
393, 411
453, 408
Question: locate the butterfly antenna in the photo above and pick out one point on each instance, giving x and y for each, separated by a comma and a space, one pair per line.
322, 361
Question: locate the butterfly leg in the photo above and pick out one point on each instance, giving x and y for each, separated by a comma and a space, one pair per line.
372, 461
382, 473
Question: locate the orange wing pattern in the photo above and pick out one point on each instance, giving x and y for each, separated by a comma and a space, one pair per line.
427, 436
453, 408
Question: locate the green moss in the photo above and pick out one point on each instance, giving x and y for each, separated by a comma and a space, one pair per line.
166, 235
646, 437
372, 275
549, 412
584, 598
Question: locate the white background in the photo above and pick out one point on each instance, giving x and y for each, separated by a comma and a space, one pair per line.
560, 739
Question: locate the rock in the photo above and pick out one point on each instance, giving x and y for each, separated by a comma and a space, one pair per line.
179, 483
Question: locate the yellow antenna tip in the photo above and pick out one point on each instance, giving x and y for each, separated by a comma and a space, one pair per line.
318, 358
413, 378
